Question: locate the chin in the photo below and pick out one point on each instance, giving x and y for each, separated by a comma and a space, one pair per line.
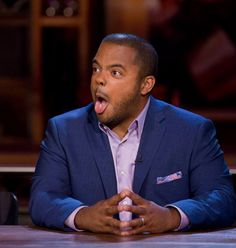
105, 121
102, 119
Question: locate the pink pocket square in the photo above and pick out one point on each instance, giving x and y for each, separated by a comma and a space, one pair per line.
169, 178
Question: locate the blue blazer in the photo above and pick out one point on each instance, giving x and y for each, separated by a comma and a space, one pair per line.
179, 162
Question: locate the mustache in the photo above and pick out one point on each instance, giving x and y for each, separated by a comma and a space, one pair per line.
100, 94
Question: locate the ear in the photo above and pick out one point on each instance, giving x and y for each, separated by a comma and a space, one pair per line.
147, 85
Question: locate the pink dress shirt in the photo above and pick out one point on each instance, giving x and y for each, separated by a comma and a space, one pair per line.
124, 153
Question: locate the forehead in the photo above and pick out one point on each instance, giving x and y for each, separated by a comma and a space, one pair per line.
109, 53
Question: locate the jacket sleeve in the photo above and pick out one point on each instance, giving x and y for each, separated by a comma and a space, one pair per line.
212, 202
50, 201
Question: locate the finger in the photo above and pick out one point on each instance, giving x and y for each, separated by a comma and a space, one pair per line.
125, 193
112, 210
114, 200
111, 227
133, 209
116, 232
138, 200
114, 223
114, 226
135, 223
136, 229
132, 231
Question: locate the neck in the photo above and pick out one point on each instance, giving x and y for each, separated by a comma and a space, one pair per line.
122, 128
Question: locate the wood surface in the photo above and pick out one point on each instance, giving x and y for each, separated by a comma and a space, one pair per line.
26, 236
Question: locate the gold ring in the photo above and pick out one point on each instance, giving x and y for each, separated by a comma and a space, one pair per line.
142, 221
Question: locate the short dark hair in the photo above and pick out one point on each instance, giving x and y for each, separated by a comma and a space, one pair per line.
146, 55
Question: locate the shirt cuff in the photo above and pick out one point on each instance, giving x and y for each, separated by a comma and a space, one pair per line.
184, 221
71, 218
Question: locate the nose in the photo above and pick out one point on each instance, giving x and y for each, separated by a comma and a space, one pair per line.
101, 78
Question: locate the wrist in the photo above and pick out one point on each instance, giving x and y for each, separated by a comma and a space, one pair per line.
174, 218
79, 217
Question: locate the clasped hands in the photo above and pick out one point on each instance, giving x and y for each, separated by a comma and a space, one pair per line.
153, 218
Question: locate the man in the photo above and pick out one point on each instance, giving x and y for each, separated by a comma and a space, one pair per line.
128, 163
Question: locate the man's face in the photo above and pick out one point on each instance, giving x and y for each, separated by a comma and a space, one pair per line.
115, 85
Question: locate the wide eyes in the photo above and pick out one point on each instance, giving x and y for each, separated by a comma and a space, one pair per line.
116, 73
96, 69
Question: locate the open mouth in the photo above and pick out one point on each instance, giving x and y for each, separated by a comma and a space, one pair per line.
100, 105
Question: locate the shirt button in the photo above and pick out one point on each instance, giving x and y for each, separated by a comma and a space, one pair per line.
122, 172
125, 202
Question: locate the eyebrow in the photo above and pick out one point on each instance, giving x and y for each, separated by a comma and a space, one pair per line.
117, 65
94, 61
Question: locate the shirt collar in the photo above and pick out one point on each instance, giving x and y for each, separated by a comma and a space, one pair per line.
137, 123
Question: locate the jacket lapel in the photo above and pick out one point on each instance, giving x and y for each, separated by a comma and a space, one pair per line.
152, 135
103, 156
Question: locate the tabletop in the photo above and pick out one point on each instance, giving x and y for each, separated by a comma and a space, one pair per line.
30, 236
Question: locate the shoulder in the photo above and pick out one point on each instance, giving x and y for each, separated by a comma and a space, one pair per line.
73, 119
76, 114
72, 124
175, 115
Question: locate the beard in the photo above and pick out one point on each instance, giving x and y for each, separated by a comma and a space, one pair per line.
123, 111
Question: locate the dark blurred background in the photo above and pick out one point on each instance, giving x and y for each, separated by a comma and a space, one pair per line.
46, 47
